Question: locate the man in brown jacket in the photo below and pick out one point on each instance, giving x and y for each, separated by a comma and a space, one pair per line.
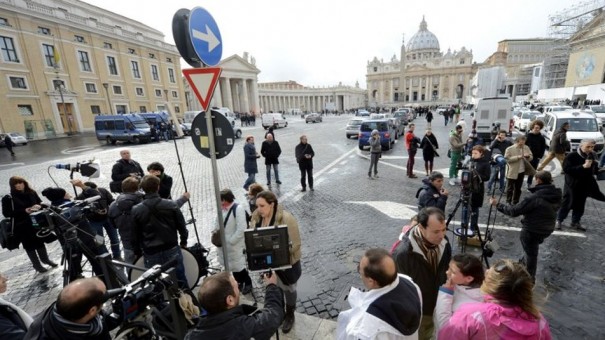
517, 158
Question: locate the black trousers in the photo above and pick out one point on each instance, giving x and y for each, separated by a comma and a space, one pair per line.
242, 277
513, 188
304, 174
530, 242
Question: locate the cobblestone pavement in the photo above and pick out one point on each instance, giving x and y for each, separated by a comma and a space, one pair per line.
346, 214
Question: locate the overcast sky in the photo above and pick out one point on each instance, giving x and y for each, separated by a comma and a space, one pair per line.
324, 42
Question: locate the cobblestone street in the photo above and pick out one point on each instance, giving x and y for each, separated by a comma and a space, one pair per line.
346, 214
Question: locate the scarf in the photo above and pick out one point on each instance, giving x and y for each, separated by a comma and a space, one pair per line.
430, 251
93, 328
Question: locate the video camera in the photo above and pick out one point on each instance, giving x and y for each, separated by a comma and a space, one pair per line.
62, 218
88, 169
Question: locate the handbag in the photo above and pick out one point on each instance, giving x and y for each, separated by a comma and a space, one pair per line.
8, 239
215, 237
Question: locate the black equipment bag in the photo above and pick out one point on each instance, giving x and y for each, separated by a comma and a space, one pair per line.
8, 239
200, 253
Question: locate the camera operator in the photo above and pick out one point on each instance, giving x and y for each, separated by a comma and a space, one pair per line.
77, 314
479, 169
156, 223
498, 146
539, 212
84, 233
227, 319
432, 193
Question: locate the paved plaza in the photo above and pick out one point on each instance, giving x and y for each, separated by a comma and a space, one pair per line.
345, 215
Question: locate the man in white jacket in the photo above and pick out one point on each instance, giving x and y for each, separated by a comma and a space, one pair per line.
390, 309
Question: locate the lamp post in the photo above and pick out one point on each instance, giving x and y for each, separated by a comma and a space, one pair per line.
106, 86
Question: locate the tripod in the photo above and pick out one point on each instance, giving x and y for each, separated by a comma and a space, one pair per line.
463, 232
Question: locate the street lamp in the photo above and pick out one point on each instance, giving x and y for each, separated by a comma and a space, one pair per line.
106, 86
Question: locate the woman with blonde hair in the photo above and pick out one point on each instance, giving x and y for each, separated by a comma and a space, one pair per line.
21, 202
268, 213
508, 310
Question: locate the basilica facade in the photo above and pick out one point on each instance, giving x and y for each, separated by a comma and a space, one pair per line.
423, 75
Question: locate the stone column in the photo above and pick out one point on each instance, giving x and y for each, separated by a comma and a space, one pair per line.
255, 99
246, 107
228, 98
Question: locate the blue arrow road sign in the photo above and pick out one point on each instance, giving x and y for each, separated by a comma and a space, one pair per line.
205, 36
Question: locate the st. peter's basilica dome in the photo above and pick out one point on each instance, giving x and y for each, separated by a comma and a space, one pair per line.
423, 39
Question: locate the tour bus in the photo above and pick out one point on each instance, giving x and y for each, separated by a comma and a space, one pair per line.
128, 127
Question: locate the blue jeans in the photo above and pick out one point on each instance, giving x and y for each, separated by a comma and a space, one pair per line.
275, 169
497, 170
474, 217
112, 232
251, 179
165, 256
602, 162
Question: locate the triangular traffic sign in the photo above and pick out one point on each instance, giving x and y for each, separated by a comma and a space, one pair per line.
203, 82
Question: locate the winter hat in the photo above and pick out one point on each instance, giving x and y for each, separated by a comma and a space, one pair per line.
374, 132
54, 194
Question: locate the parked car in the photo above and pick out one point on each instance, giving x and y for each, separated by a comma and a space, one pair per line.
397, 126
313, 118
352, 129
582, 125
17, 138
362, 113
522, 123
403, 116
387, 133
599, 113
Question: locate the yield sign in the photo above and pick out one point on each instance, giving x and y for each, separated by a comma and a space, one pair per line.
202, 82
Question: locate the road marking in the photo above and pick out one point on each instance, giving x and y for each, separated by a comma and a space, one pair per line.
318, 174
333, 170
405, 212
11, 164
80, 149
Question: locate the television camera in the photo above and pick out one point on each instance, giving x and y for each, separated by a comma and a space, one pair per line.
64, 218
148, 308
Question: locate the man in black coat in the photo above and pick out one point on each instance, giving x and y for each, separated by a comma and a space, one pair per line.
124, 167
271, 151
480, 171
539, 212
304, 156
8, 142
77, 314
227, 319
424, 254
537, 144
580, 168
432, 193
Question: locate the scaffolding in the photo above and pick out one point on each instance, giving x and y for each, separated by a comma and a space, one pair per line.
562, 26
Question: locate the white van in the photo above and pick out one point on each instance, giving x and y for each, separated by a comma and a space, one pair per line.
276, 120
492, 112
188, 117
582, 125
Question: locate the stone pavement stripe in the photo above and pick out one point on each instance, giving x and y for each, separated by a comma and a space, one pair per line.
559, 233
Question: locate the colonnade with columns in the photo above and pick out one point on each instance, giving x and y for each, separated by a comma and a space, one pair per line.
238, 94
283, 102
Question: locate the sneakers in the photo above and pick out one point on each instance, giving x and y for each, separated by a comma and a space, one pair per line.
278, 182
452, 181
578, 226
558, 225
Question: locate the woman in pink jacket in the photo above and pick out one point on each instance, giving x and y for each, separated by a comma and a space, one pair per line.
508, 312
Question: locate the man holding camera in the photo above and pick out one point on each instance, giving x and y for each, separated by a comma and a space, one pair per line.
539, 211
479, 170
227, 319
156, 223
390, 307
432, 194
411, 144
498, 147
124, 167
580, 168
77, 314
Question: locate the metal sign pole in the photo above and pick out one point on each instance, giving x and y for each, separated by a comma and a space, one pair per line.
217, 190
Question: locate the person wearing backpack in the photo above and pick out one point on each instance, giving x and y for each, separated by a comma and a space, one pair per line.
234, 217
98, 215
120, 215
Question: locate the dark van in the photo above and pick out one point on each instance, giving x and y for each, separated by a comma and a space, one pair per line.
162, 117
384, 127
128, 127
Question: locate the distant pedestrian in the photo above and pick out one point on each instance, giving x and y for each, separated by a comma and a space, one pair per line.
271, 151
429, 118
270, 132
375, 152
411, 144
304, 156
446, 116
429, 148
559, 144
8, 142
250, 165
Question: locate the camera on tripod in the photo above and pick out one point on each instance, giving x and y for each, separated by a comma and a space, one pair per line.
64, 217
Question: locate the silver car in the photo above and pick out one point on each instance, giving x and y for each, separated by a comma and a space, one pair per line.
16, 138
352, 129
313, 118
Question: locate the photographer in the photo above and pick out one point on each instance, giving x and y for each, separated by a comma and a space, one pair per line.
539, 211
432, 194
227, 319
84, 233
479, 169
77, 314
498, 146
